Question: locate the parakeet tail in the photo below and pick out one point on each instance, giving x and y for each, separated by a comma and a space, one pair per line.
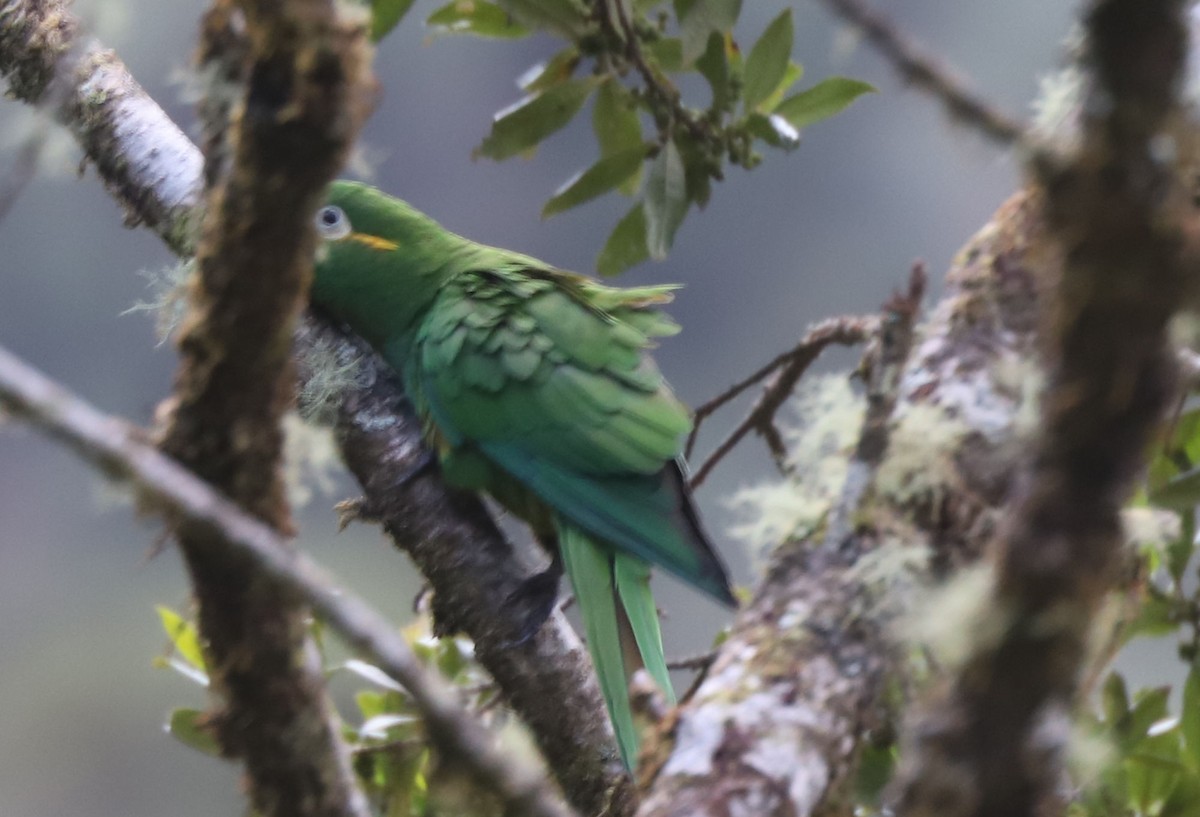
621, 624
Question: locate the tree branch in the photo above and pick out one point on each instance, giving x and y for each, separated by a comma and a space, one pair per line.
120, 452
923, 71
991, 743
797, 689
290, 82
146, 162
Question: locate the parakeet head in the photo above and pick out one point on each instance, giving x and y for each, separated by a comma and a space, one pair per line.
379, 262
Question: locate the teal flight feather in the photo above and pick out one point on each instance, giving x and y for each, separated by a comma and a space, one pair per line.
535, 385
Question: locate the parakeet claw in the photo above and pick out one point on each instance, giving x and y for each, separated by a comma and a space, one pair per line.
534, 600
354, 510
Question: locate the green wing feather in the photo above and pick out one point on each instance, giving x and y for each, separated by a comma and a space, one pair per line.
547, 374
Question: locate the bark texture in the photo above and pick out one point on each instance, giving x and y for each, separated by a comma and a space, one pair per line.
301, 76
990, 744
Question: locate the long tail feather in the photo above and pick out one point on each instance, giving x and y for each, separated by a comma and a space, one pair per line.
632, 577
613, 590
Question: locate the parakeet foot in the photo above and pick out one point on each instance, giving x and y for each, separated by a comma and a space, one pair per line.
534, 600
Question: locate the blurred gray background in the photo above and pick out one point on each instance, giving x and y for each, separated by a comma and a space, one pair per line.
829, 229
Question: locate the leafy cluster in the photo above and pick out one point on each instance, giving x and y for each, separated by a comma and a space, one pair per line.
1150, 763
385, 733
629, 56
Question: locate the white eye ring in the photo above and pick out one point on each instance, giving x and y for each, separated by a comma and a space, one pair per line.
332, 223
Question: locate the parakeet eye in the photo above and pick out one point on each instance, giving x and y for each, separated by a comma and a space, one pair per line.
332, 223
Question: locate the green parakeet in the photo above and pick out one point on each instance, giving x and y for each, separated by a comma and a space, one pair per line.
535, 385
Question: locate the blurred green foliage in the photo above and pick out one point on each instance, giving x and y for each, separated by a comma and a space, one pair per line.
384, 732
630, 57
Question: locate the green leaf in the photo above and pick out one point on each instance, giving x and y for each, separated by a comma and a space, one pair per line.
476, 17
567, 18
1190, 718
627, 244
791, 76
453, 658
699, 18
698, 173
1150, 707
1153, 773
617, 127
666, 200
1156, 616
822, 100
189, 727
667, 52
185, 669
1179, 493
1115, 699
1179, 552
525, 124
768, 61
183, 637
385, 15
371, 703
614, 119
713, 65
774, 130
386, 726
544, 75
875, 768
604, 175
373, 674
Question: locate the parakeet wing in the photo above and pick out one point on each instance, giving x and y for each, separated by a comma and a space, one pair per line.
547, 374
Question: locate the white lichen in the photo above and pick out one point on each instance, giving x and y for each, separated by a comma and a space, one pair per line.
917, 464
311, 460
953, 620
167, 299
828, 421
330, 369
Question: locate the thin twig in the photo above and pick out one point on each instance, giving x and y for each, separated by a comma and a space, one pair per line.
24, 166
666, 93
702, 412
883, 390
693, 662
925, 72
118, 450
791, 366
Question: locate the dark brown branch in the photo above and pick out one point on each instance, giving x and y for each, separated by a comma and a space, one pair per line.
991, 744
790, 367
473, 570
304, 76
153, 171
693, 662
120, 451
924, 71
